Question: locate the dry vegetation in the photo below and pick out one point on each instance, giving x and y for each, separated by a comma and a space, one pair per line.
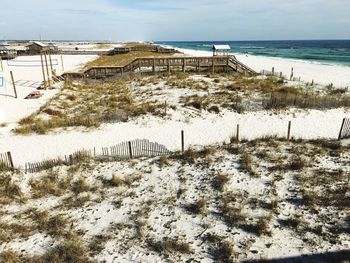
203, 204
90, 103
122, 59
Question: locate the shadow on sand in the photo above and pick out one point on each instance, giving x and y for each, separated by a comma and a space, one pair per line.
328, 257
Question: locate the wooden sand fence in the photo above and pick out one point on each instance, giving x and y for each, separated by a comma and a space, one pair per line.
71, 159
135, 149
6, 162
345, 129
121, 151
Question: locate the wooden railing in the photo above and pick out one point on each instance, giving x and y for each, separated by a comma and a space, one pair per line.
197, 64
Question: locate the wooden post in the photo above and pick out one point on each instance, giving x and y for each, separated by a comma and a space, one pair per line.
154, 66
47, 70
292, 74
227, 63
122, 71
273, 71
198, 66
165, 108
341, 130
10, 160
50, 61
43, 69
213, 66
62, 63
130, 150
13, 83
183, 65
182, 141
168, 65
289, 127
2, 67
237, 133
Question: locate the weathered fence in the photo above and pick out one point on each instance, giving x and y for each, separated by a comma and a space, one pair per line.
121, 151
135, 149
6, 162
68, 160
344, 129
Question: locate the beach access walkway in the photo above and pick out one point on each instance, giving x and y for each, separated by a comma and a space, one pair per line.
212, 64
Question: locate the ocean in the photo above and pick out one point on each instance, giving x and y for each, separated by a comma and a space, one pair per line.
317, 51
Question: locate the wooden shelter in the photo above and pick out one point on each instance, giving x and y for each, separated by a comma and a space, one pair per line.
221, 50
37, 47
6, 52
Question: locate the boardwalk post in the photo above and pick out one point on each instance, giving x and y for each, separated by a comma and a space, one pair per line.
213, 66
168, 63
43, 69
13, 84
182, 141
10, 160
50, 61
237, 133
130, 150
62, 64
183, 65
2, 67
227, 64
289, 127
292, 74
198, 66
47, 70
341, 130
165, 108
154, 66
273, 71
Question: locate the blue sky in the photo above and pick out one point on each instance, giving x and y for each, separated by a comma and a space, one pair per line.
175, 19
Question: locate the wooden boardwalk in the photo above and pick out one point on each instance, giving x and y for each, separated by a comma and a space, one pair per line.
169, 64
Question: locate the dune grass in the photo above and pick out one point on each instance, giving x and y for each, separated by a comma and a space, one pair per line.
122, 59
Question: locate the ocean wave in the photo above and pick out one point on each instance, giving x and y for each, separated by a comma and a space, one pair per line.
251, 47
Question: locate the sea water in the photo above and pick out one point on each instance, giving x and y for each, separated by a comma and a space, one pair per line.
316, 51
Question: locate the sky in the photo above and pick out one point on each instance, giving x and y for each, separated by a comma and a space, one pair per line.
181, 20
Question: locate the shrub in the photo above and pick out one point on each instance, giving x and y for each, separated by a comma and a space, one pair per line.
169, 245
80, 186
222, 252
219, 181
297, 164
198, 207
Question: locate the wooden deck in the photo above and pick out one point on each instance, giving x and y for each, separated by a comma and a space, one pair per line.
169, 64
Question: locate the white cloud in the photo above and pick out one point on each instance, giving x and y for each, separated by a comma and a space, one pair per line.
181, 19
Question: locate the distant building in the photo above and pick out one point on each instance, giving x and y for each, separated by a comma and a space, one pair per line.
221, 50
6, 52
51, 46
37, 47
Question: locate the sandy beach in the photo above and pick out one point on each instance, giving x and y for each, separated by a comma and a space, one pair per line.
324, 74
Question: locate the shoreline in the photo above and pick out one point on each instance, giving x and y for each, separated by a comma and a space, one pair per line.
308, 71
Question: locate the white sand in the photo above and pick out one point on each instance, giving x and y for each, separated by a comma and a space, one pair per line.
205, 130
307, 71
29, 69
202, 131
